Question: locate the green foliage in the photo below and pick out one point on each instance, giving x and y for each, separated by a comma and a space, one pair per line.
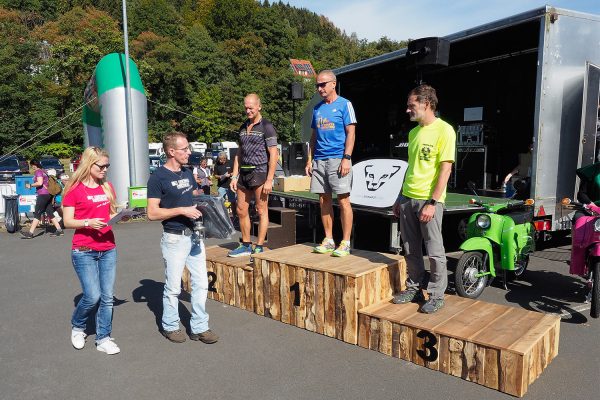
158, 16
197, 60
59, 150
206, 123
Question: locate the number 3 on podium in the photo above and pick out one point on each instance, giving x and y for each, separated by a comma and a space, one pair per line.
429, 352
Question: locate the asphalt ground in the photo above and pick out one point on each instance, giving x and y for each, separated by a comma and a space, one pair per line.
256, 357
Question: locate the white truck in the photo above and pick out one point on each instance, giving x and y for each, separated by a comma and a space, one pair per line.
530, 78
198, 147
155, 149
228, 147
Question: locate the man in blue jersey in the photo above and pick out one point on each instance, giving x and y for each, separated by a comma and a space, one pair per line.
330, 161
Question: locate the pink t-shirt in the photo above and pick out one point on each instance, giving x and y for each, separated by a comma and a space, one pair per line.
90, 203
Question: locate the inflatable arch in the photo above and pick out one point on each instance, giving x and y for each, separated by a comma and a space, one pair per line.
105, 123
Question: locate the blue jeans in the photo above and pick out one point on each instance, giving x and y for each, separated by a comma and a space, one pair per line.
96, 271
179, 251
227, 194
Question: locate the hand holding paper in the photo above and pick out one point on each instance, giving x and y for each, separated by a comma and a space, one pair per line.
125, 213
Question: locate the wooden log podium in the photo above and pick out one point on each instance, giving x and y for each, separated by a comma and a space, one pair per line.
230, 280
321, 293
504, 348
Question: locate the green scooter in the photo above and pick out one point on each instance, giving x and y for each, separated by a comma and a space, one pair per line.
500, 238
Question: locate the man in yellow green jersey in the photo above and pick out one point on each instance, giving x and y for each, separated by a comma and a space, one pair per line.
420, 205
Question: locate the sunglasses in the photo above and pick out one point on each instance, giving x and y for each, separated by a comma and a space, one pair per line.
322, 84
102, 167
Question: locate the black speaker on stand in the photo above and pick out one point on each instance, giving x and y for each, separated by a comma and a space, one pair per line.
427, 53
297, 93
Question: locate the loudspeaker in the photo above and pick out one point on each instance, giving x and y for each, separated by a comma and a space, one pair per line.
429, 51
297, 91
297, 154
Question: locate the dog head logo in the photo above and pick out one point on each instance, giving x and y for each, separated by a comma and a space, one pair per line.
376, 177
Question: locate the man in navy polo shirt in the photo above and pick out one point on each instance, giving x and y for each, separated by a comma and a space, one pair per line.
170, 190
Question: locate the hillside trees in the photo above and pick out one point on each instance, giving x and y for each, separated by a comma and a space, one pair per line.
197, 60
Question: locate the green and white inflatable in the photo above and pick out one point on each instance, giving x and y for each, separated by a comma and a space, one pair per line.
105, 123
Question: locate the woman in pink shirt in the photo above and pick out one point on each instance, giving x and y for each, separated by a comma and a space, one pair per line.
88, 204
43, 201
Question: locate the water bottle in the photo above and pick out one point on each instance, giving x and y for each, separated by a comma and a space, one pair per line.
199, 230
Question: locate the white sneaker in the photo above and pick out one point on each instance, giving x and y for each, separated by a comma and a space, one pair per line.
78, 339
109, 347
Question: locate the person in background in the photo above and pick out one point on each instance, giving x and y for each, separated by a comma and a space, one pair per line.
222, 173
88, 204
420, 204
202, 176
520, 176
43, 201
330, 161
253, 173
170, 191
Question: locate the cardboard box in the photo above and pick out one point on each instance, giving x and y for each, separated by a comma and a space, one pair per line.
295, 183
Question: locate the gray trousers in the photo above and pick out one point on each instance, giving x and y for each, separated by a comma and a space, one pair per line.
413, 233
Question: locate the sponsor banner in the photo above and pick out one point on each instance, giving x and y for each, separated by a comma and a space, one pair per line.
377, 182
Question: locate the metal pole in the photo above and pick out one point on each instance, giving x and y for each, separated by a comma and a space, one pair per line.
294, 117
128, 110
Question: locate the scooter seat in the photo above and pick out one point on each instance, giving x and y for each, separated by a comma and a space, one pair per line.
520, 216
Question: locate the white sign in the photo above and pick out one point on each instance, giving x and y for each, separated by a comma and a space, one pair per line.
27, 201
377, 182
138, 194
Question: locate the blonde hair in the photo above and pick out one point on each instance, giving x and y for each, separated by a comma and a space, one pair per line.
170, 141
91, 156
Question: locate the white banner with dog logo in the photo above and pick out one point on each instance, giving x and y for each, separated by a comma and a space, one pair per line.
377, 182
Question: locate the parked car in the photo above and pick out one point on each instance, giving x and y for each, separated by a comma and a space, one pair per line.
194, 160
75, 163
50, 162
9, 168
155, 162
23, 164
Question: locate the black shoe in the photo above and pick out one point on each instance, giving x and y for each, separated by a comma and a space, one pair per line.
26, 235
59, 232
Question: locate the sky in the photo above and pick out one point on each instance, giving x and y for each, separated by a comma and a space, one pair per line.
402, 19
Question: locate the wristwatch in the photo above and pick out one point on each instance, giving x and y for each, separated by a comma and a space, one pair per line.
431, 202
347, 157
86, 223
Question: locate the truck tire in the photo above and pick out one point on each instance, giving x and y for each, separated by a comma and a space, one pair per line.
466, 280
595, 308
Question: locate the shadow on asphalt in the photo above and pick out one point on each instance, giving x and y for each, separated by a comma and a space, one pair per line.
151, 293
90, 326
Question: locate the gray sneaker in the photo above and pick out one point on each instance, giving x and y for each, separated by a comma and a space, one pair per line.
208, 337
176, 336
432, 305
407, 296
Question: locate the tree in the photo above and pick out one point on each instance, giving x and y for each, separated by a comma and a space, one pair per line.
229, 19
206, 123
158, 16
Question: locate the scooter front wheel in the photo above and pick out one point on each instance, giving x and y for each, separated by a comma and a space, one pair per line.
595, 309
471, 275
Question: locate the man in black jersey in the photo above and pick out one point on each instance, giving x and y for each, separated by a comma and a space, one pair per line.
253, 172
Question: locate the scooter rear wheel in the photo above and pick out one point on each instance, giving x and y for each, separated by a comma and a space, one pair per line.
468, 278
595, 309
